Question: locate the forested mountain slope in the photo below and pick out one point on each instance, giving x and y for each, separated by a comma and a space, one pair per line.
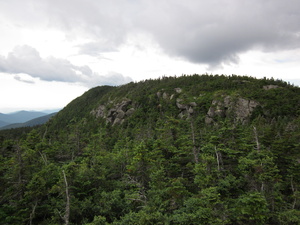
186, 150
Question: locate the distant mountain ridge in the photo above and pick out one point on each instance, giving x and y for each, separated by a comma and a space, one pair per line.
23, 118
2, 123
34, 122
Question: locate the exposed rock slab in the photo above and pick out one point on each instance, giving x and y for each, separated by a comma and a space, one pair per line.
271, 86
240, 108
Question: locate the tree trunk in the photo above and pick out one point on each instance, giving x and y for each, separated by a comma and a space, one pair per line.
67, 213
294, 191
256, 139
32, 213
218, 160
195, 152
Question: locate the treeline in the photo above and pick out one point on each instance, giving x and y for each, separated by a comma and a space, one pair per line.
157, 168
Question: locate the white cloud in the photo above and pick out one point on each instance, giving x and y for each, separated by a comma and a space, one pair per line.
95, 48
27, 60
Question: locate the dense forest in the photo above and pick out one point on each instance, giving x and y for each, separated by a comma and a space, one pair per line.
197, 149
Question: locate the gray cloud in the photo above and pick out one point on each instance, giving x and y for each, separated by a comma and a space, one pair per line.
202, 31
27, 60
215, 32
112, 78
95, 48
211, 32
19, 78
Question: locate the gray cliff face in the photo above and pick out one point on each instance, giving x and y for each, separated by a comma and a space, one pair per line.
240, 108
116, 114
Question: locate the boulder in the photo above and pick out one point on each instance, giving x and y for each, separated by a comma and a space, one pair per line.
194, 104
178, 90
116, 114
118, 121
130, 111
99, 112
190, 110
158, 94
181, 106
165, 96
120, 114
186, 110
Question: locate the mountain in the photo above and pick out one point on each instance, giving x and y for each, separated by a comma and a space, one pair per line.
2, 123
197, 149
30, 123
5, 119
20, 116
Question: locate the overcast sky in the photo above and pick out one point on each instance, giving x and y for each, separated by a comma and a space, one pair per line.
52, 51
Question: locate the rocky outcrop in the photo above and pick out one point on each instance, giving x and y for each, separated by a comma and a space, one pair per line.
115, 114
186, 110
164, 95
271, 86
240, 108
99, 112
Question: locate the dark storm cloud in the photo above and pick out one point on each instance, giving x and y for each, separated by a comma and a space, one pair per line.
215, 32
27, 60
210, 32
202, 31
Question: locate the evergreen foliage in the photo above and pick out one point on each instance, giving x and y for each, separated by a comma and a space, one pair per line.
157, 167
